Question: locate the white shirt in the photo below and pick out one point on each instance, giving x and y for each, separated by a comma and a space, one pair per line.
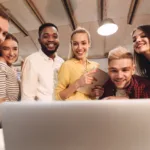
121, 93
39, 76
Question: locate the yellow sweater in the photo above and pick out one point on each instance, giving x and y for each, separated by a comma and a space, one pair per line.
70, 71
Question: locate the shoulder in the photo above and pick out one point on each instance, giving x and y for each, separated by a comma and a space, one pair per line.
3, 66
69, 62
93, 63
67, 65
142, 80
33, 56
109, 84
59, 59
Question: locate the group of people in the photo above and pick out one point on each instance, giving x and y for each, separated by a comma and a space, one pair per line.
45, 76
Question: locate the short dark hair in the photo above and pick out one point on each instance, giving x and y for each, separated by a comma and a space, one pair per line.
12, 37
4, 15
43, 26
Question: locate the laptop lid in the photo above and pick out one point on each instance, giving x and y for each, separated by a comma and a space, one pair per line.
95, 125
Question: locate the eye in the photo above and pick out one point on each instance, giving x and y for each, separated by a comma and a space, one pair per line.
5, 33
84, 43
5, 48
113, 71
45, 36
134, 39
15, 48
143, 36
126, 70
74, 44
55, 36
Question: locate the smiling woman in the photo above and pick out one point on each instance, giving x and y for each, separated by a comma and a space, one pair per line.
9, 85
141, 45
78, 70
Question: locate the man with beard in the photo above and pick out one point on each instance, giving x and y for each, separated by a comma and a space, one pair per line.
123, 84
39, 72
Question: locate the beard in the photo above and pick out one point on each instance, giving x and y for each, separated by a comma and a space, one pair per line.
48, 52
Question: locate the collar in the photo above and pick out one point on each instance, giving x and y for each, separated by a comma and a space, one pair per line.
45, 56
77, 61
128, 89
131, 86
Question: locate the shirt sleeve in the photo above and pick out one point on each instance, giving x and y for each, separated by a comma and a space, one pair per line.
29, 81
3, 90
63, 80
146, 92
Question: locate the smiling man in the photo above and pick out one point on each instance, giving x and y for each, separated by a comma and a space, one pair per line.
39, 73
123, 83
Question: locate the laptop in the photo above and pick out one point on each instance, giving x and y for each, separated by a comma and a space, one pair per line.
90, 125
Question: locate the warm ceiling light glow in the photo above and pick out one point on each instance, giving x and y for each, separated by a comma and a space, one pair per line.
107, 27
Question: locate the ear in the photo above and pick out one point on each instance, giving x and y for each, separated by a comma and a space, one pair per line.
89, 45
39, 40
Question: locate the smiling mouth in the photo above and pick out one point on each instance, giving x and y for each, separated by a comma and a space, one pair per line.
140, 45
119, 81
11, 58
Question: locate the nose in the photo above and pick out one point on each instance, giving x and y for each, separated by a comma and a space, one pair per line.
50, 38
138, 39
11, 52
120, 74
79, 46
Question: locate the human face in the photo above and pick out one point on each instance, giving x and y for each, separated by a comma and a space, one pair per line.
9, 51
121, 71
80, 45
141, 42
49, 40
4, 25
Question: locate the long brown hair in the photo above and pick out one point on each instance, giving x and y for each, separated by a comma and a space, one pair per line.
142, 63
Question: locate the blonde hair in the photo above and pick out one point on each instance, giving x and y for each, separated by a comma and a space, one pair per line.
119, 53
77, 30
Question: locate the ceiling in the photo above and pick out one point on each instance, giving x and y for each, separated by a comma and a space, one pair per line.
67, 14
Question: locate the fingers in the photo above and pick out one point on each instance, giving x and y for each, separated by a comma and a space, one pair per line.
88, 80
92, 72
98, 91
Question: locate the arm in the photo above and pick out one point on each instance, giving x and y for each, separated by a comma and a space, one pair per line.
3, 94
29, 81
64, 88
115, 98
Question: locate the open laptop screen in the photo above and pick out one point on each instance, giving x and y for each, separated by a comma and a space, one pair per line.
98, 125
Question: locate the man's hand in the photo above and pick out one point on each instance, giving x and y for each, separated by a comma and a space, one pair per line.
115, 98
97, 92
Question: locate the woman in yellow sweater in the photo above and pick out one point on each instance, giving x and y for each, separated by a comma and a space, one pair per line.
77, 71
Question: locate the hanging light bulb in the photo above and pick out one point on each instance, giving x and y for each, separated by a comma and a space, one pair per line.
107, 27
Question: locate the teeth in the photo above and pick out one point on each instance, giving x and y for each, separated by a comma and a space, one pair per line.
51, 45
80, 52
118, 81
139, 45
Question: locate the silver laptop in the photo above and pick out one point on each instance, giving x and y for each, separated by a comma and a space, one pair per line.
95, 125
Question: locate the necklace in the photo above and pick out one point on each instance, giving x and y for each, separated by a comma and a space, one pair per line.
85, 67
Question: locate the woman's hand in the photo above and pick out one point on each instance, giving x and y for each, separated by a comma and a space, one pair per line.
86, 78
